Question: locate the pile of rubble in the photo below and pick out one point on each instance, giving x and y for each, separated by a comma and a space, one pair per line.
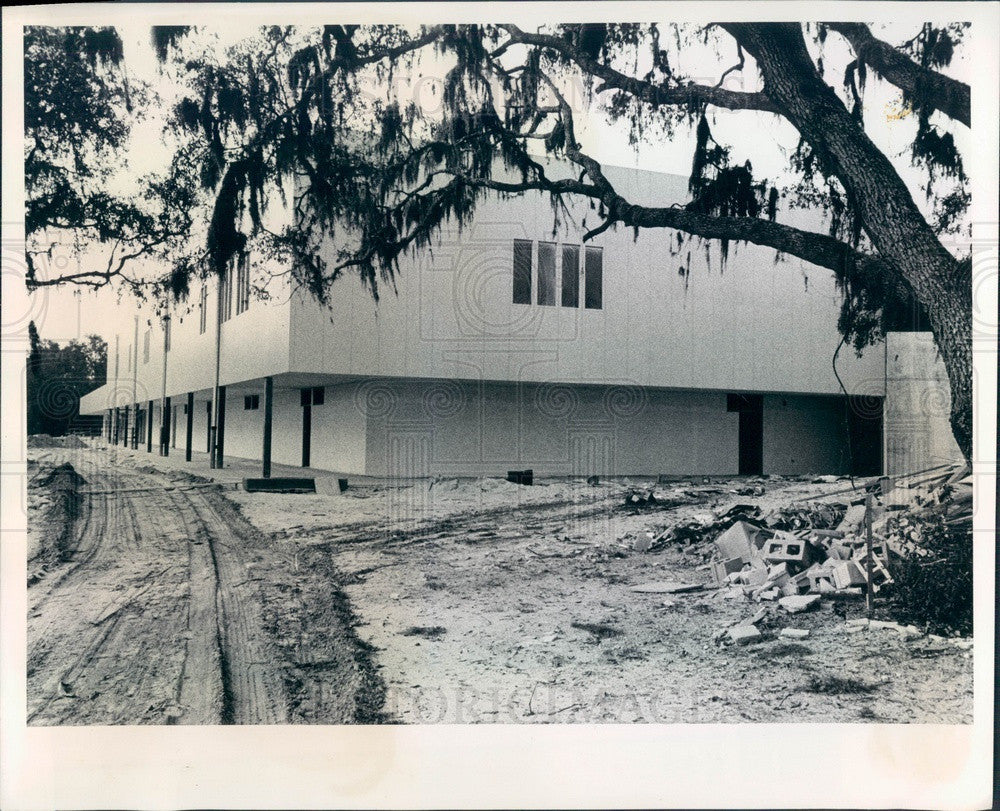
789, 557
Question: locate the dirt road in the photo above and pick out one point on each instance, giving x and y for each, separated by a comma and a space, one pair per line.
161, 604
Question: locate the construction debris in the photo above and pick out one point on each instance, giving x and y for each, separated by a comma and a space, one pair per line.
800, 553
664, 587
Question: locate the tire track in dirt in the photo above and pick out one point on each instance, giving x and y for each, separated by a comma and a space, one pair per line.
251, 674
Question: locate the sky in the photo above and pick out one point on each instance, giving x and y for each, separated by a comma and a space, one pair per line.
765, 140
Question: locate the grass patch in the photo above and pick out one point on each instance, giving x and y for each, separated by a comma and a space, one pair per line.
782, 650
597, 630
838, 686
426, 631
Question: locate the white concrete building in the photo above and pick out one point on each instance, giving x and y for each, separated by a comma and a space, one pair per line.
509, 346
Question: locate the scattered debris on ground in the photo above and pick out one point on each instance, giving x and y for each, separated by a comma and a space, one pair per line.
462, 600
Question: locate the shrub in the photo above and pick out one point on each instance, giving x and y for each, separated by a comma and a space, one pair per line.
933, 588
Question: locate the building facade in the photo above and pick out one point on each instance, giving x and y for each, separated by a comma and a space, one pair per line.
513, 345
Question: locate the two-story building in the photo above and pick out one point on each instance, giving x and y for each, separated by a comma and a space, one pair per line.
512, 345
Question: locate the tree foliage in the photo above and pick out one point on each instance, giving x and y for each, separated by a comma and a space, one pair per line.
58, 376
325, 119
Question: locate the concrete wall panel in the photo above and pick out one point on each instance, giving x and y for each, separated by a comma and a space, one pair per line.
917, 405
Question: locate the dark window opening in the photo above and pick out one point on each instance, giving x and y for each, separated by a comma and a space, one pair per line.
522, 271
751, 431
593, 293
242, 283
547, 273
251, 402
864, 432
571, 276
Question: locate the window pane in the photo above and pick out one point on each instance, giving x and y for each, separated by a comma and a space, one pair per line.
547, 273
522, 271
571, 276
593, 291
318, 395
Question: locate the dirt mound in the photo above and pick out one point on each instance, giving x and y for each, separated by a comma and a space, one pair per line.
62, 477
47, 441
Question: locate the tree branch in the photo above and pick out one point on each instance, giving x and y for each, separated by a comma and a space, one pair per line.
654, 94
932, 90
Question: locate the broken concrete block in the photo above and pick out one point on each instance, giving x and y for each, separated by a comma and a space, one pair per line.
769, 594
880, 575
847, 573
744, 634
755, 576
760, 615
777, 576
789, 589
794, 633
723, 569
737, 541
642, 543
853, 518
799, 603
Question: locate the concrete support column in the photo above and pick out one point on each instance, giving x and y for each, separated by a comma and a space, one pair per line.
190, 426
268, 418
149, 428
165, 428
220, 428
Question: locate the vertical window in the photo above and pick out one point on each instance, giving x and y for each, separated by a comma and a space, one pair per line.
570, 275
166, 334
593, 293
145, 346
226, 291
203, 310
242, 283
547, 273
522, 271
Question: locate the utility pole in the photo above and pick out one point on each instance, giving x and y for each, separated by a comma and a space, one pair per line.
114, 396
135, 386
164, 402
223, 290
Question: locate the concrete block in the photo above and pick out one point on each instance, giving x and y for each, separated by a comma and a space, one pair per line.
853, 519
794, 633
799, 603
722, 569
744, 634
785, 547
738, 541
880, 575
789, 589
755, 577
846, 574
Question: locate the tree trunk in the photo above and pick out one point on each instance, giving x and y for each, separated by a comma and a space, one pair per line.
891, 219
951, 324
